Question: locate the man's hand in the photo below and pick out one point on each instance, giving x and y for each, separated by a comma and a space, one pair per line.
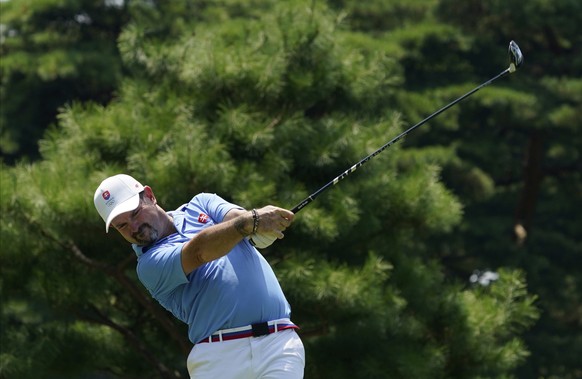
271, 223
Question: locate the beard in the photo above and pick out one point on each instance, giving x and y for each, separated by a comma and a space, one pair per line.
146, 235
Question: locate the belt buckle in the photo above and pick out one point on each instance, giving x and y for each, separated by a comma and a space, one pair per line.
260, 329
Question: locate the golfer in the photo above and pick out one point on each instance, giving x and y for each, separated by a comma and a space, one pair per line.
198, 262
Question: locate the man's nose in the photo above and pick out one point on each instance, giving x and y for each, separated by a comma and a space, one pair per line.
134, 225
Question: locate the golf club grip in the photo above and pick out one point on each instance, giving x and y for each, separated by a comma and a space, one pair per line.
333, 182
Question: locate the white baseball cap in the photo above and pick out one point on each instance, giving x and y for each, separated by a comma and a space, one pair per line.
116, 195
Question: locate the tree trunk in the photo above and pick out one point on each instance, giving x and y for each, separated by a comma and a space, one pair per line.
532, 178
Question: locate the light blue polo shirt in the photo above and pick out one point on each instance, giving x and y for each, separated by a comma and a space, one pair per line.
235, 290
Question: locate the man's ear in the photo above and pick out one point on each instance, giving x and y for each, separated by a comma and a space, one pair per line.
149, 194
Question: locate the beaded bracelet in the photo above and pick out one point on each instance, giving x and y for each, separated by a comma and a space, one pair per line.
255, 221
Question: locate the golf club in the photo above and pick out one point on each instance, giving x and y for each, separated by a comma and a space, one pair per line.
515, 61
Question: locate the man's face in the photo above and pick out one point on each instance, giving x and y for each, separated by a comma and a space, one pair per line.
139, 226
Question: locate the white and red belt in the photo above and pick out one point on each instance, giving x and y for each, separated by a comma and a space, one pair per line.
254, 330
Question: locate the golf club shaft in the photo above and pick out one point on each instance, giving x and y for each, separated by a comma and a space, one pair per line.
314, 195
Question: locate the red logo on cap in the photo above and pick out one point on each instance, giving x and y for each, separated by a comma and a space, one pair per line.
203, 218
106, 195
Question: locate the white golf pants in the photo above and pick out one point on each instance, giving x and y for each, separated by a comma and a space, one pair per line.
275, 356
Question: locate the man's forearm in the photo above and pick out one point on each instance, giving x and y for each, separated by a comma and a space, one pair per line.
217, 240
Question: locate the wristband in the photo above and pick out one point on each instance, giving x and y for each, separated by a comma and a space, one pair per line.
255, 221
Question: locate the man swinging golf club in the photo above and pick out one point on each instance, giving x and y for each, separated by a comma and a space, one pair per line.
198, 262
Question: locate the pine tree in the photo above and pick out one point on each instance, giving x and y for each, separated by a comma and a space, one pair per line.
524, 140
53, 52
262, 107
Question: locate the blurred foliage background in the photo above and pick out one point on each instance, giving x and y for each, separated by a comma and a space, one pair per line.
454, 254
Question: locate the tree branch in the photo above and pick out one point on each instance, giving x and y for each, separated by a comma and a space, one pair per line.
117, 273
153, 308
133, 340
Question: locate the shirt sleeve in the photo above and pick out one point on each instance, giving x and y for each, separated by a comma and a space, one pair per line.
161, 271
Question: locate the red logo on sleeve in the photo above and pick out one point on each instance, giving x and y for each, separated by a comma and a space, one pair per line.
203, 218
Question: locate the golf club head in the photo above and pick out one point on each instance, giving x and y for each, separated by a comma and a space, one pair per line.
515, 56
